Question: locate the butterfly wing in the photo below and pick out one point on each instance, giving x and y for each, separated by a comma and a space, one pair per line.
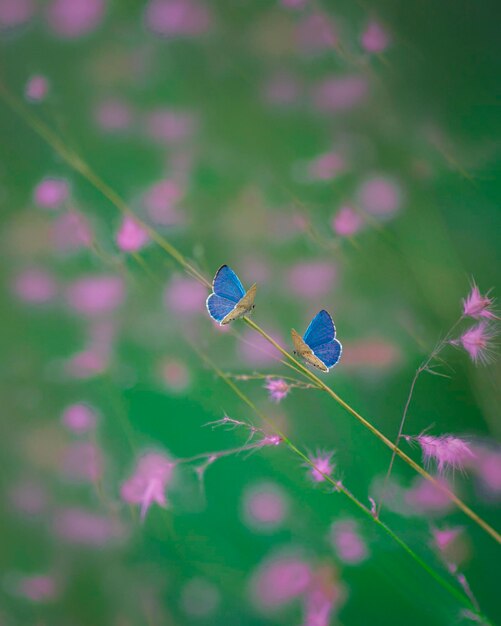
320, 331
227, 285
219, 307
329, 353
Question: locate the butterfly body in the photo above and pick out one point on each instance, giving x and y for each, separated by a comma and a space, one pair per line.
229, 300
319, 346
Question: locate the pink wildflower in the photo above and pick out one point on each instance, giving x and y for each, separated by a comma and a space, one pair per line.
323, 466
37, 588
50, 193
348, 543
36, 88
148, 482
96, 294
322, 598
347, 222
279, 580
448, 451
79, 418
477, 341
477, 305
265, 507
278, 388
131, 236
74, 18
86, 528
35, 286
374, 39
445, 537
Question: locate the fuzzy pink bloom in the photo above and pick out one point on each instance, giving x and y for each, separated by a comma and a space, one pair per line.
374, 39
160, 202
185, 296
380, 196
175, 375
50, 193
28, 498
82, 527
71, 232
488, 467
447, 451
348, 543
477, 305
95, 295
168, 126
113, 115
444, 537
282, 89
79, 418
347, 222
312, 279
13, 13
35, 286
74, 18
82, 462
326, 166
87, 363
339, 93
37, 588
277, 388
478, 342
323, 465
265, 507
147, 485
322, 598
131, 236
199, 598
36, 88
177, 18
279, 580
316, 33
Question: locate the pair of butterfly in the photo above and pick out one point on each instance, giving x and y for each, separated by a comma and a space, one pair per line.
229, 301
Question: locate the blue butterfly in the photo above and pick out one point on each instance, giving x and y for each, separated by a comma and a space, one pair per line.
319, 346
229, 300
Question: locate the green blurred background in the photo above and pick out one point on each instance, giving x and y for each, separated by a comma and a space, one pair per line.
429, 121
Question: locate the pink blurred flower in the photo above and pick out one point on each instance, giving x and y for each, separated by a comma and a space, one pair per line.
185, 296
95, 295
444, 537
131, 236
326, 166
322, 598
348, 543
71, 231
28, 498
478, 342
265, 507
82, 527
51, 193
316, 33
477, 306
37, 587
175, 375
447, 451
147, 485
169, 126
323, 464
36, 88
35, 286
374, 39
177, 18
113, 115
87, 363
160, 202
282, 89
488, 467
337, 94
199, 598
74, 18
376, 353
13, 13
79, 418
278, 388
347, 222
82, 462
256, 351
427, 499
380, 196
278, 580
311, 279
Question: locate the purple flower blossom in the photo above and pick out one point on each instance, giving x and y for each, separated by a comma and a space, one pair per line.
131, 236
323, 466
447, 451
149, 481
477, 305
278, 388
477, 341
